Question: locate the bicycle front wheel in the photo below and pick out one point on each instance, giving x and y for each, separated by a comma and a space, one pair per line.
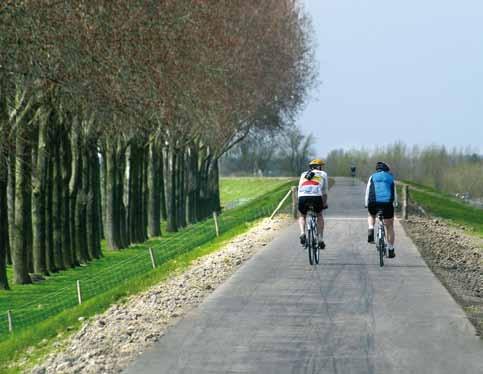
380, 248
316, 252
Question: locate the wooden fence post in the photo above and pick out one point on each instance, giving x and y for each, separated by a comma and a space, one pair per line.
217, 228
10, 321
281, 203
405, 202
294, 202
151, 254
79, 295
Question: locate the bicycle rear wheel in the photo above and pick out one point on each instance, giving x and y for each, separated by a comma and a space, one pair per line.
380, 248
316, 251
310, 241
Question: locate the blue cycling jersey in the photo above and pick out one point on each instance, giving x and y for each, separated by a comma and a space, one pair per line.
380, 188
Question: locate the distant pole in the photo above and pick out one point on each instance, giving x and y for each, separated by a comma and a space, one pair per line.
294, 202
217, 228
405, 202
151, 254
10, 322
79, 295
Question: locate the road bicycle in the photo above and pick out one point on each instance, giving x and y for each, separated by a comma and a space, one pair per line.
381, 243
311, 242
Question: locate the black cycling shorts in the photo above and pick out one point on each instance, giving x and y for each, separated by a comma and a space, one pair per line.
305, 202
387, 209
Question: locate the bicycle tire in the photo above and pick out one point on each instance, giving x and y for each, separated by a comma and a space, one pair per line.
309, 247
380, 248
316, 252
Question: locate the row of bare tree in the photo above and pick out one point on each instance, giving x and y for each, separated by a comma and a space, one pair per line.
114, 115
270, 153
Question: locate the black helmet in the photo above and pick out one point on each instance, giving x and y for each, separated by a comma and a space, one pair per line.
382, 166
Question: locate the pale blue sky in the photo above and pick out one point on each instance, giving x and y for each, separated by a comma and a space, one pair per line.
391, 70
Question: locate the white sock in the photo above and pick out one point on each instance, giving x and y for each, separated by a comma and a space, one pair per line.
321, 237
371, 227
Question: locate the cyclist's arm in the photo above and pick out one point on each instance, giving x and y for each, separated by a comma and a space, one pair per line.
325, 189
368, 189
396, 200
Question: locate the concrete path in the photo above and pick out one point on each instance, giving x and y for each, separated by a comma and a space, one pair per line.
278, 314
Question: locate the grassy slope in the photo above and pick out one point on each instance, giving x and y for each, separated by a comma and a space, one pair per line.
447, 207
245, 189
67, 322
199, 241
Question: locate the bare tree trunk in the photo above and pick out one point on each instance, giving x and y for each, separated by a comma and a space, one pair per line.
193, 184
57, 201
171, 192
91, 220
39, 201
67, 244
133, 193
110, 219
22, 196
4, 234
204, 210
81, 208
162, 187
3, 221
181, 190
49, 256
214, 187
102, 194
145, 194
11, 204
75, 186
121, 214
96, 201
115, 215
154, 203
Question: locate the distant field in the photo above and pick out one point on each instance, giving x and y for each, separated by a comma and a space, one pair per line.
237, 191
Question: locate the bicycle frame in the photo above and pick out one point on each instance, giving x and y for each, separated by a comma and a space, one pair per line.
311, 221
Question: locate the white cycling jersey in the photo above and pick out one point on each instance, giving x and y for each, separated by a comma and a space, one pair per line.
317, 186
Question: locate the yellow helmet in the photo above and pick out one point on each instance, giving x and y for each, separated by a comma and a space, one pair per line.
317, 162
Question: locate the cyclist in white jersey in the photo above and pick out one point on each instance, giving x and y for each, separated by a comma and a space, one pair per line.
312, 191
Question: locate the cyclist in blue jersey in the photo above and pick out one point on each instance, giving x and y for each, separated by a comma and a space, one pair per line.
381, 196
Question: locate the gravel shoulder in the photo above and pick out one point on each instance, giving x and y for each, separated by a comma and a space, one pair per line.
456, 258
108, 342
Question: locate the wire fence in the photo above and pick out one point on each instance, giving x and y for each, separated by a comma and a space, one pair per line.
52, 303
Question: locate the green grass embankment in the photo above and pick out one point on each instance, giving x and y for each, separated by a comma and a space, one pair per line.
447, 207
239, 190
44, 310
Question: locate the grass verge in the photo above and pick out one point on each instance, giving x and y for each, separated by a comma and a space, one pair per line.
239, 190
447, 207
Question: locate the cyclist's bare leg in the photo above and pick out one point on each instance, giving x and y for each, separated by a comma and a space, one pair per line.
371, 221
302, 223
391, 236
320, 224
